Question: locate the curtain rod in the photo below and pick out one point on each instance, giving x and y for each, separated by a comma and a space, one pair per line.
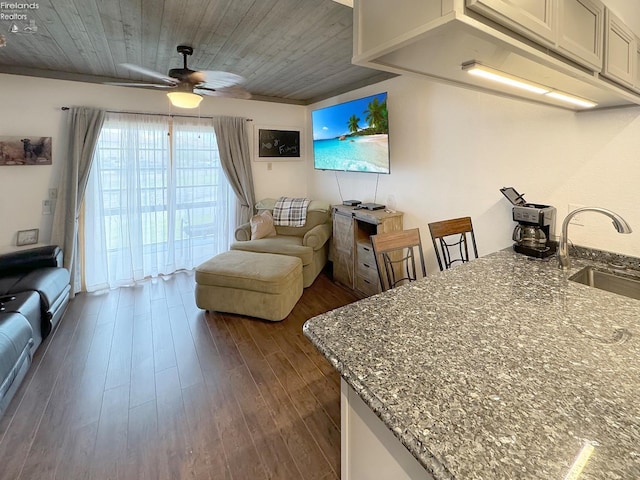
156, 114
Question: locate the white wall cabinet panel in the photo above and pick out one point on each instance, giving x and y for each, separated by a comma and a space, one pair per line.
374, 26
532, 18
620, 51
574, 46
581, 31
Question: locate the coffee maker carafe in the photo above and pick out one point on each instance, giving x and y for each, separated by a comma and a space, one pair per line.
533, 235
529, 235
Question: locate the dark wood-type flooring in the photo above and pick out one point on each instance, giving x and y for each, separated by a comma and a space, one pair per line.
138, 383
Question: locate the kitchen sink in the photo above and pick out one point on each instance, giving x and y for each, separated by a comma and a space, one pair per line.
611, 282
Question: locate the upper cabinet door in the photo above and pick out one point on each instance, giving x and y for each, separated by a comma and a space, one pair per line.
581, 30
534, 19
620, 51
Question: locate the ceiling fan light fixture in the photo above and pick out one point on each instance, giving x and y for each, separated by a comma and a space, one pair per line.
184, 99
183, 81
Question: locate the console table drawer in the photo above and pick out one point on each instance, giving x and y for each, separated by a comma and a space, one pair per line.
368, 271
365, 253
366, 285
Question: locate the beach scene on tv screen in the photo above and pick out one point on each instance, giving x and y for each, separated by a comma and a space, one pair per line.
352, 136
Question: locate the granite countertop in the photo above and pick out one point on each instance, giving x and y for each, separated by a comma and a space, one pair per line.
501, 368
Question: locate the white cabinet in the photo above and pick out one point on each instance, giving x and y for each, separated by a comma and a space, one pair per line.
581, 31
620, 51
584, 31
574, 28
533, 18
374, 26
368, 448
574, 46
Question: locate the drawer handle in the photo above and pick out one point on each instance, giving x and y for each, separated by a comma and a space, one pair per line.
366, 265
366, 249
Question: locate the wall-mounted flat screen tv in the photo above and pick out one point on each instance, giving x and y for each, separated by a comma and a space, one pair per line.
352, 136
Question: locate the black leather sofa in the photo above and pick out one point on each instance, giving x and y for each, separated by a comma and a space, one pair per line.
34, 292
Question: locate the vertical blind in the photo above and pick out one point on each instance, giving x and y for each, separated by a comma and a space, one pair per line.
157, 200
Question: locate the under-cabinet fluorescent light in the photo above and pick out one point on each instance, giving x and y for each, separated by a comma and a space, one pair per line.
488, 73
504, 78
563, 97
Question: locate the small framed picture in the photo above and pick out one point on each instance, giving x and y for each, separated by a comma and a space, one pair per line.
273, 143
25, 151
27, 237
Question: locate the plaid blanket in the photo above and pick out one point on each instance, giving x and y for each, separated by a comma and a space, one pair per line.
290, 212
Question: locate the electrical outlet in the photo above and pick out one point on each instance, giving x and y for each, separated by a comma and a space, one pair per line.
47, 207
391, 202
577, 219
53, 193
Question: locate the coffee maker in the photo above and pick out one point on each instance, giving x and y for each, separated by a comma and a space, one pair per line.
533, 236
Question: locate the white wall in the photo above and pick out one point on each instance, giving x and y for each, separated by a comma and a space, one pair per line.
452, 149
31, 107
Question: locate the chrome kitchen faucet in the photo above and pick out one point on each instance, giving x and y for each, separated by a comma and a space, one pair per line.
619, 223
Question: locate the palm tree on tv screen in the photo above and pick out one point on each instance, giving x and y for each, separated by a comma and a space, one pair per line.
376, 116
352, 124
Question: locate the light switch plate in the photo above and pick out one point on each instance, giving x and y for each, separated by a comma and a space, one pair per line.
47, 207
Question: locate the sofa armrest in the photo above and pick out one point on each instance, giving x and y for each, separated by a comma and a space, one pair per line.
317, 236
243, 232
31, 259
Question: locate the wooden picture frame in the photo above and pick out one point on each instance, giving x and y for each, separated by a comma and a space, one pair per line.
25, 150
27, 237
277, 143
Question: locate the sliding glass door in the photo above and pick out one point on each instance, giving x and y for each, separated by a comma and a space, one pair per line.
157, 200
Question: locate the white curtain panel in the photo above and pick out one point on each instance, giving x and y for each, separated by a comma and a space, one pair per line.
84, 125
157, 200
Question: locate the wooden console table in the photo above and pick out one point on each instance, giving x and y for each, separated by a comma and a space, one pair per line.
353, 262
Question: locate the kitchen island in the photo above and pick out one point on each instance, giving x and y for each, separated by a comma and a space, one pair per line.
501, 368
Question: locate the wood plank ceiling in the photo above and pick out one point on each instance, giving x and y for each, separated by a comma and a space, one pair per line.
292, 51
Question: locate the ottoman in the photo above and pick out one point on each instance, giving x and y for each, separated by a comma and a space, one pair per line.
262, 285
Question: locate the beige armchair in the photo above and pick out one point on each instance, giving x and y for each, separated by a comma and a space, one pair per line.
309, 243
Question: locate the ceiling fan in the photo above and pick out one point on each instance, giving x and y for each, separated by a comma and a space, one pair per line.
189, 85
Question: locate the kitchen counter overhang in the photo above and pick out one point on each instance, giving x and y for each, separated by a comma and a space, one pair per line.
501, 368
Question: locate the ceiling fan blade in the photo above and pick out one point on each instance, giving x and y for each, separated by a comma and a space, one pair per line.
146, 71
151, 85
215, 79
232, 92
